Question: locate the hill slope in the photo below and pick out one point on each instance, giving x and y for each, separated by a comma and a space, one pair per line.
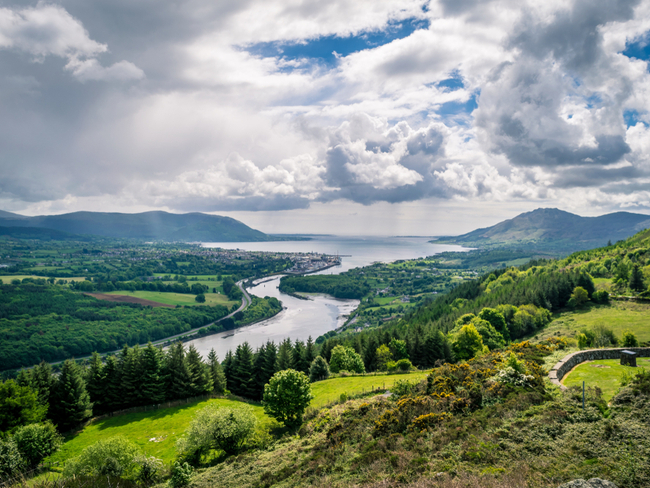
147, 225
550, 228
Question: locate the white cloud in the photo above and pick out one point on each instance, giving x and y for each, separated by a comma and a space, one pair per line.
47, 30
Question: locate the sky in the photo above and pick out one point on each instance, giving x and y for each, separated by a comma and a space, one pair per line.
379, 117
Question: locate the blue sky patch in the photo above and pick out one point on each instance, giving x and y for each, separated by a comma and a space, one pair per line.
456, 108
321, 50
452, 84
631, 117
639, 49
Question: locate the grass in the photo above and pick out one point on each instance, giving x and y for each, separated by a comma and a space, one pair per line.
618, 316
330, 390
7, 279
176, 298
607, 378
166, 425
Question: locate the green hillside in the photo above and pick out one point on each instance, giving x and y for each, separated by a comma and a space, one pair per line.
553, 229
148, 225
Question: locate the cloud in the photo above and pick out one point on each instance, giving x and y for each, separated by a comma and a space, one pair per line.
47, 30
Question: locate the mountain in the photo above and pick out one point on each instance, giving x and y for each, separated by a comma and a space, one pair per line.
553, 229
148, 225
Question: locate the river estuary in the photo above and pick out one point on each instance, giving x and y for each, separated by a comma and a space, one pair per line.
303, 318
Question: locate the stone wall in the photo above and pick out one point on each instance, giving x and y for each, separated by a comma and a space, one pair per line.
572, 360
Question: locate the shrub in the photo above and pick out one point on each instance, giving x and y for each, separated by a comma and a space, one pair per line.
181, 475
36, 442
200, 298
110, 457
601, 296
319, 370
580, 295
11, 461
629, 339
467, 342
404, 365
216, 427
344, 358
286, 396
149, 469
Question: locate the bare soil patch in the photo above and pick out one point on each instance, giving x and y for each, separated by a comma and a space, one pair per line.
127, 299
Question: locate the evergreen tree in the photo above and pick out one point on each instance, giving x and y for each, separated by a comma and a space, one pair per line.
228, 370
245, 384
129, 363
217, 374
70, 401
176, 372
113, 385
636, 279
310, 351
270, 361
416, 347
258, 368
95, 382
152, 391
200, 380
326, 348
319, 370
370, 354
299, 359
285, 356
42, 380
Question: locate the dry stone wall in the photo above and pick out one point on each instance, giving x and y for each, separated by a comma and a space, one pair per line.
572, 360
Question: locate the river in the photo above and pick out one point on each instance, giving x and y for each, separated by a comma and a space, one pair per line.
303, 318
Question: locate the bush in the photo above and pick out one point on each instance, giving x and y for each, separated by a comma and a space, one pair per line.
404, 365
200, 298
181, 475
601, 296
467, 342
36, 442
149, 469
629, 339
286, 396
111, 457
344, 358
580, 296
11, 461
319, 370
215, 427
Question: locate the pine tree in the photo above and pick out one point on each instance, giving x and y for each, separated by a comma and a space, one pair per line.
70, 401
152, 391
176, 372
42, 381
299, 361
270, 361
217, 374
285, 356
310, 351
370, 354
258, 369
95, 382
228, 369
243, 371
200, 380
129, 363
636, 279
434, 348
113, 385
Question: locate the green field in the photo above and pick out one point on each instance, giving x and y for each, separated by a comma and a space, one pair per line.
176, 298
165, 425
606, 374
7, 279
330, 390
618, 316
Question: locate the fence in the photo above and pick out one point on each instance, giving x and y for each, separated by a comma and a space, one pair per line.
570, 361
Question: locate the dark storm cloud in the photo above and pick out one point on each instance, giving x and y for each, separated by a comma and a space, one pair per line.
253, 204
593, 176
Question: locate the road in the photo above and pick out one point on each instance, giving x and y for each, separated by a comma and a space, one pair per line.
245, 303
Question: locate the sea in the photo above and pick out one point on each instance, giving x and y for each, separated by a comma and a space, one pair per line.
301, 319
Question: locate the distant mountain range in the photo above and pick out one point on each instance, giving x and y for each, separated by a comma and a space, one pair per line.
158, 226
553, 229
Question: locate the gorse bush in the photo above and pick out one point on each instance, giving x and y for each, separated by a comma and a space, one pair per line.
214, 427
111, 457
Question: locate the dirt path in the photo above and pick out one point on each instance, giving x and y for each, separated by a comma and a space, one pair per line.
127, 299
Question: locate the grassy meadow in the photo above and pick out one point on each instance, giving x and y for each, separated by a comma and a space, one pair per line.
619, 316
7, 279
606, 374
176, 298
164, 425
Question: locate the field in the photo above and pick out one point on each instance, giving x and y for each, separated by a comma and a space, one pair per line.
619, 316
7, 279
330, 390
605, 374
176, 298
165, 426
